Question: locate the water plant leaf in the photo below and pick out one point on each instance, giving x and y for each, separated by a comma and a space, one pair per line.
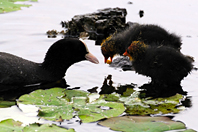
52, 103
145, 106
53, 113
9, 5
142, 124
128, 92
56, 102
189, 130
75, 93
9, 125
112, 97
5, 104
45, 128
98, 109
45, 97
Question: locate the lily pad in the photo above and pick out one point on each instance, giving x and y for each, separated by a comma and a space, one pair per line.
57, 102
98, 109
5, 104
189, 130
146, 106
52, 103
75, 93
9, 125
45, 128
9, 5
142, 124
112, 97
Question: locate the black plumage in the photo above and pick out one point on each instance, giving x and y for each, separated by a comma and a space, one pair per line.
150, 34
165, 65
17, 73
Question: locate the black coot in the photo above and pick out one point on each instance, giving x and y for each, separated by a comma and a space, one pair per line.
16, 73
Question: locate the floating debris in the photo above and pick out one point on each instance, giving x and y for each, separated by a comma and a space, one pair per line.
54, 33
141, 13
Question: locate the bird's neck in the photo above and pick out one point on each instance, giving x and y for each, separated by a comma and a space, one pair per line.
55, 68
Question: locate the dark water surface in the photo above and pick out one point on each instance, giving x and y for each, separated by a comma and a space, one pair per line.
23, 33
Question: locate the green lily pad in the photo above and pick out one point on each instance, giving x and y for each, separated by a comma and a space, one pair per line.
53, 113
9, 5
52, 103
9, 125
112, 97
57, 102
98, 109
128, 92
75, 93
50, 97
45, 128
138, 106
5, 104
189, 130
142, 124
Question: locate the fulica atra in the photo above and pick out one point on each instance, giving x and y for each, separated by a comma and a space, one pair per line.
165, 65
17, 72
149, 33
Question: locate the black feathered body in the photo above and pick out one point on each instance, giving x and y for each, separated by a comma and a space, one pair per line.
16, 71
163, 64
149, 34
155, 35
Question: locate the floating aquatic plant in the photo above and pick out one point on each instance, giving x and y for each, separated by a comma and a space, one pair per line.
4, 104
10, 5
57, 102
146, 106
10, 125
143, 124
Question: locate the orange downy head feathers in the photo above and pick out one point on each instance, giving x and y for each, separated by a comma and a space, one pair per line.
136, 48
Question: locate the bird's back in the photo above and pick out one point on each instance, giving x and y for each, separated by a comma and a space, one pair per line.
164, 63
18, 71
154, 34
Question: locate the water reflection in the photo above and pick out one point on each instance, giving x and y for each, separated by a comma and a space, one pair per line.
187, 102
147, 90
159, 90
108, 88
12, 92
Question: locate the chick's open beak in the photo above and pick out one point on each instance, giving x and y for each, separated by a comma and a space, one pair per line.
127, 54
108, 61
90, 57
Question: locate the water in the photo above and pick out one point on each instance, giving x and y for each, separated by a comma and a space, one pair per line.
23, 33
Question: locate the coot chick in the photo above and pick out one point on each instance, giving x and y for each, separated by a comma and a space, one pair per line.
16, 73
150, 34
165, 65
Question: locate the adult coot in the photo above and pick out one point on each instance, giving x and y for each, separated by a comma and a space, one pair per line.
16, 73
165, 65
150, 34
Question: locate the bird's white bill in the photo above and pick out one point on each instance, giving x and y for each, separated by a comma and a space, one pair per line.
90, 57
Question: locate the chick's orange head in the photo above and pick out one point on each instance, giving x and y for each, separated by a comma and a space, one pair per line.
136, 48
